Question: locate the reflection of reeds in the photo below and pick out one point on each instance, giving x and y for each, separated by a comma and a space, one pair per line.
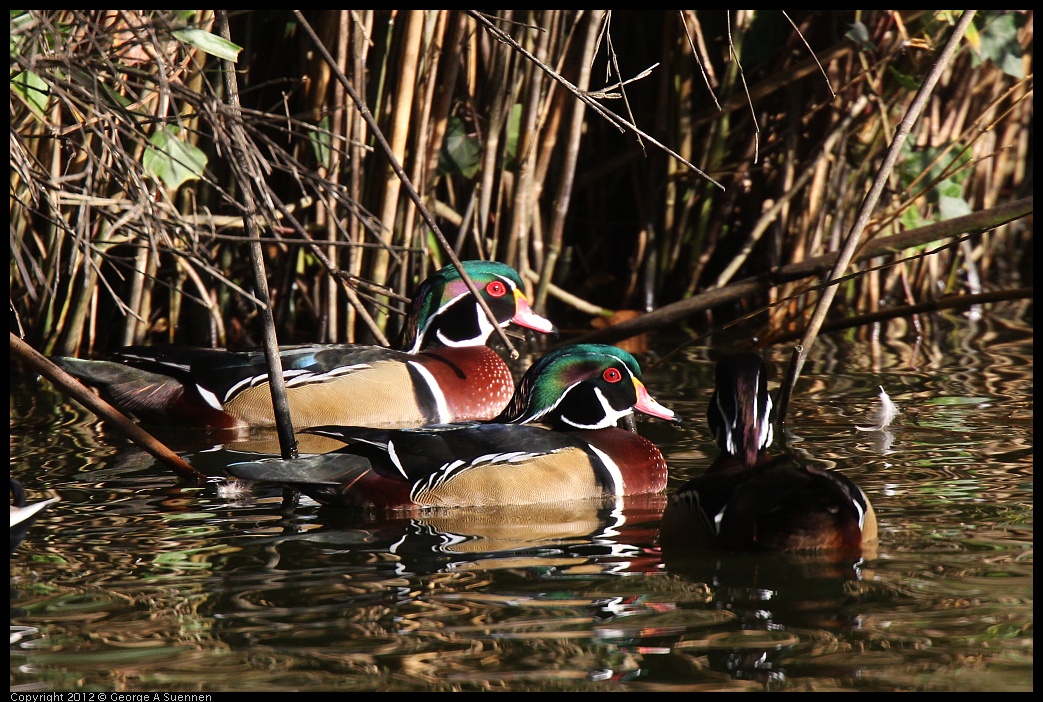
512, 150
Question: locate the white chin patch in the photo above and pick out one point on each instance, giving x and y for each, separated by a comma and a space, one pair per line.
611, 416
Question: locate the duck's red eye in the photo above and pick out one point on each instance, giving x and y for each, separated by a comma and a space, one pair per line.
496, 289
612, 375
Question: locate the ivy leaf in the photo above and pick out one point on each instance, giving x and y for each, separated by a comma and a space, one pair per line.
860, 35
910, 218
460, 153
999, 44
950, 207
171, 160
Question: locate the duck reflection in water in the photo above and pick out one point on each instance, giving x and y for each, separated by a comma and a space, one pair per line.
592, 536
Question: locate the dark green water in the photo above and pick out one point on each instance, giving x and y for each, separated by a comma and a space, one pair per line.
135, 583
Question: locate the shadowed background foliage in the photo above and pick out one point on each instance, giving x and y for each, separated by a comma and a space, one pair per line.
707, 147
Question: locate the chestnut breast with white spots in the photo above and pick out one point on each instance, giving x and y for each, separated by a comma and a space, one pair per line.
474, 381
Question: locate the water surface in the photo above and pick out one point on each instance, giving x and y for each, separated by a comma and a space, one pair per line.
134, 582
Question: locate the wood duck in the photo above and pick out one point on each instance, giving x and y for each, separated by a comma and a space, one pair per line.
431, 378
24, 514
556, 440
749, 500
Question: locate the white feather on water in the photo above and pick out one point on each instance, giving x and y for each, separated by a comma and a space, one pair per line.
885, 414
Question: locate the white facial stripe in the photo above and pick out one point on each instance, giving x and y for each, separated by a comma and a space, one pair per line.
421, 333
436, 392
536, 417
611, 416
485, 327
485, 330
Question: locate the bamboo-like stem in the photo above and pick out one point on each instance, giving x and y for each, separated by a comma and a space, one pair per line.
239, 146
502, 86
84, 204
360, 105
568, 170
329, 329
361, 27
791, 191
434, 33
524, 201
868, 205
401, 119
615, 119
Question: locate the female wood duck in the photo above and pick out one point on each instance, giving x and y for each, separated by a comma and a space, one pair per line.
751, 501
442, 359
556, 440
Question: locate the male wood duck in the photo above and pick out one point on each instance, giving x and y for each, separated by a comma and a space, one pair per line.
749, 500
557, 440
443, 370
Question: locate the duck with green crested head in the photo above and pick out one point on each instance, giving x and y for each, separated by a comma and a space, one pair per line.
556, 440
442, 357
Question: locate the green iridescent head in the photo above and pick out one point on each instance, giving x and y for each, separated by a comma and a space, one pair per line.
445, 313
583, 386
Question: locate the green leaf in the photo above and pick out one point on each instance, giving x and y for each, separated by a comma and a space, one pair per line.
860, 35
999, 44
906, 81
513, 134
210, 43
950, 207
21, 21
460, 153
911, 218
35, 91
946, 193
171, 160
322, 142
